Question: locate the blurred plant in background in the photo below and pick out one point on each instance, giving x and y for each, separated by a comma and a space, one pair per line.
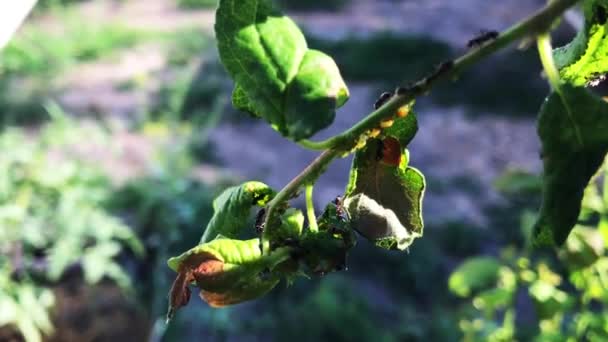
566, 289
53, 221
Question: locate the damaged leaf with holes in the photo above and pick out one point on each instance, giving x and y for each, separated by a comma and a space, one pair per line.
227, 271
583, 61
385, 201
573, 131
232, 209
278, 78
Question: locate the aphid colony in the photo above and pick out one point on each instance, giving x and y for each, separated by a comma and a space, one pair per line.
389, 149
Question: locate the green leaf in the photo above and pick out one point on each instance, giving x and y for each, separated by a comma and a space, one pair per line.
384, 201
241, 102
227, 271
474, 275
583, 60
232, 209
548, 299
295, 89
584, 247
573, 131
404, 129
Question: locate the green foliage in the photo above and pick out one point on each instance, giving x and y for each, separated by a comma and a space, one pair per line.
385, 201
165, 210
231, 271
52, 219
187, 44
572, 127
295, 89
36, 51
570, 304
583, 61
24, 305
474, 274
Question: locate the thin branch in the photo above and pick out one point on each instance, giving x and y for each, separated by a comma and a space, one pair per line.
310, 209
545, 51
538, 23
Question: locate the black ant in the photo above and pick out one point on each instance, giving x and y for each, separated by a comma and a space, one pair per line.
384, 97
483, 37
340, 208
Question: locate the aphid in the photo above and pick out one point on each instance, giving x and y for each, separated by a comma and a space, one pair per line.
403, 111
391, 151
374, 133
387, 123
483, 37
259, 220
384, 97
361, 143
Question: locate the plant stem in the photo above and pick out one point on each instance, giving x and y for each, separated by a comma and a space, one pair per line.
538, 23
545, 50
308, 175
310, 209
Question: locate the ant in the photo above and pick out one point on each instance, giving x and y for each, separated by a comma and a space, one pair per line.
483, 37
340, 208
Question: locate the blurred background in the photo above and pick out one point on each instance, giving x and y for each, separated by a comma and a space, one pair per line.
116, 133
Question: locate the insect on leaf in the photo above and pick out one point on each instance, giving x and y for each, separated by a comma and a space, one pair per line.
295, 89
385, 201
574, 134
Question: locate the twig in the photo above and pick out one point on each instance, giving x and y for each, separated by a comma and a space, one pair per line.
538, 23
